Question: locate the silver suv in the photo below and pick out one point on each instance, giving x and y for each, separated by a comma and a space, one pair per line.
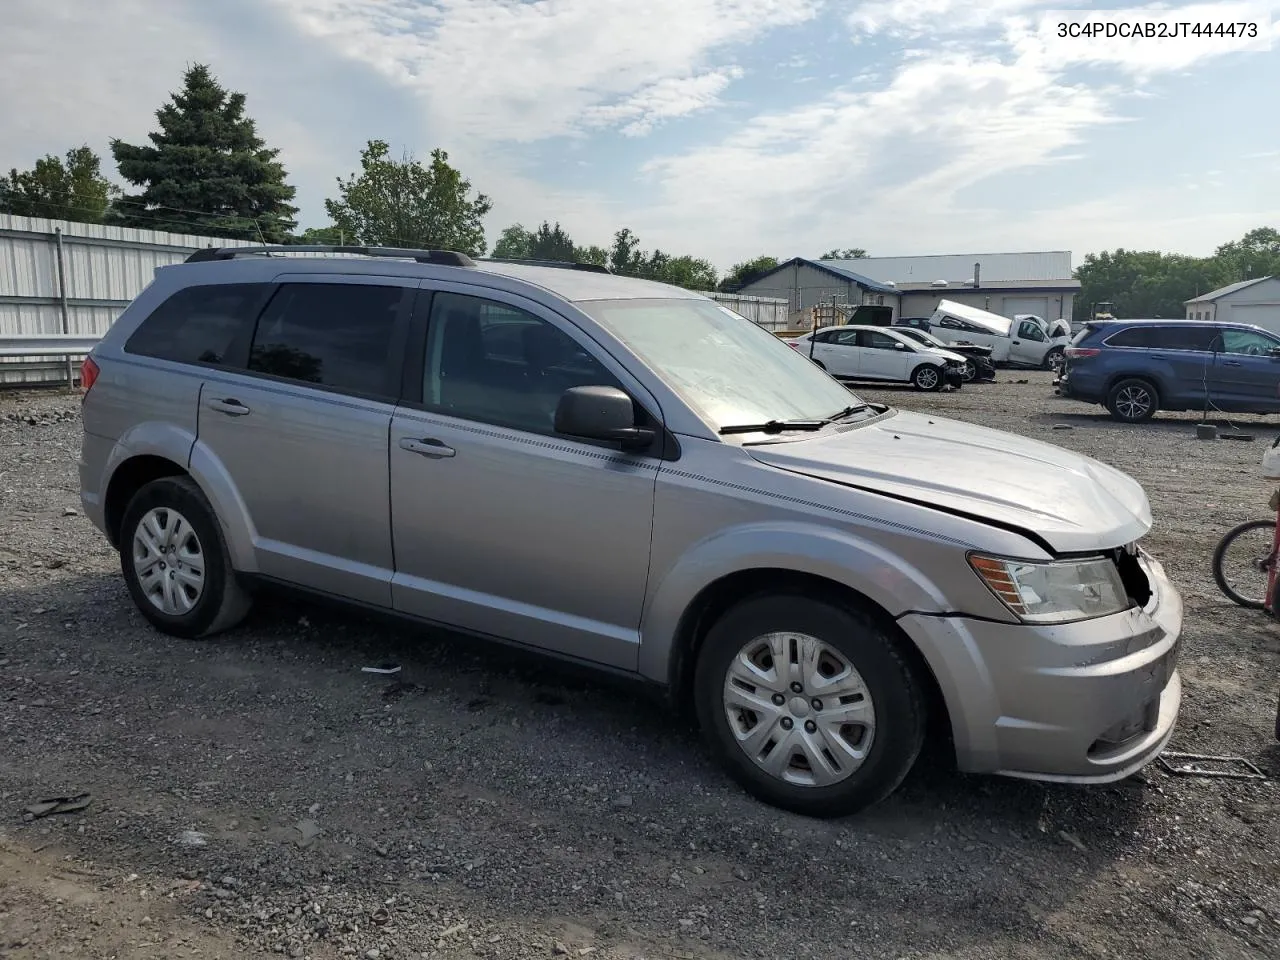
630, 475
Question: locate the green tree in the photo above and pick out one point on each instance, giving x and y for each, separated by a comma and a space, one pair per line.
1256, 254
401, 203
849, 253
1146, 283
206, 170
514, 243
592, 254
60, 189
322, 236
551, 243
740, 274
624, 253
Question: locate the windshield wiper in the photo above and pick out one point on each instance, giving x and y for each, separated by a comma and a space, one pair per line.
848, 411
774, 426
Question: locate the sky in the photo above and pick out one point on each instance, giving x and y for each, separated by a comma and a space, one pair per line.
725, 129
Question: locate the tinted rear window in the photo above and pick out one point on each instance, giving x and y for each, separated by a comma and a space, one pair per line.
199, 324
332, 335
1163, 338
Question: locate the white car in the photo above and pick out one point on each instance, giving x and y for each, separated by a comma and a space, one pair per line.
859, 352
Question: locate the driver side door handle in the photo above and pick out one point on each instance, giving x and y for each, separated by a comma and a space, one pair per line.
1231, 363
232, 408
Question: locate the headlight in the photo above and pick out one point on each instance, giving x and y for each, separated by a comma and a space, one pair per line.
1056, 592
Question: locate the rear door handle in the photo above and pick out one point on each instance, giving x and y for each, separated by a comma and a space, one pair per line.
1231, 363
232, 408
428, 447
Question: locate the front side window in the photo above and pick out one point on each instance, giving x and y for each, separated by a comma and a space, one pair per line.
1248, 342
1030, 330
199, 324
728, 369
877, 340
335, 335
498, 364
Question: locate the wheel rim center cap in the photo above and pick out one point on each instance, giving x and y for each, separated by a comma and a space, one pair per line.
799, 707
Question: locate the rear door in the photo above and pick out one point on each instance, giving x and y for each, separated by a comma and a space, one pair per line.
302, 432
837, 350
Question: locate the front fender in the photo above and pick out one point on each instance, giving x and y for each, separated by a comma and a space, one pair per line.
809, 548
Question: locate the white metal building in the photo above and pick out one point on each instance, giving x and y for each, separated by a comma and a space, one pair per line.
1007, 284
1249, 301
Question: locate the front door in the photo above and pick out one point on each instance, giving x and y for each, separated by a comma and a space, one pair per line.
501, 525
1245, 374
883, 357
1029, 344
303, 432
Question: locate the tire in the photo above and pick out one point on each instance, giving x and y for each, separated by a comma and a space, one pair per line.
1133, 400
866, 662
970, 371
177, 513
1051, 359
927, 377
1219, 564
820, 364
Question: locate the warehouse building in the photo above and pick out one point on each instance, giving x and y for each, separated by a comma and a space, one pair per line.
1249, 301
1004, 283
809, 283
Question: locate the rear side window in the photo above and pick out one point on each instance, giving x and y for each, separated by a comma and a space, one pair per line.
199, 324
339, 336
1163, 338
1136, 337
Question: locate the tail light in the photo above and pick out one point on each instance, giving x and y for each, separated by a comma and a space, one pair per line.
1079, 353
88, 375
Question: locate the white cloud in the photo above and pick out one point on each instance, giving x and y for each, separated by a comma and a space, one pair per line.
493, 70
668, 98
814, 171
930, 18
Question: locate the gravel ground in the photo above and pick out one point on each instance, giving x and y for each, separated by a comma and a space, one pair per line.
260, 794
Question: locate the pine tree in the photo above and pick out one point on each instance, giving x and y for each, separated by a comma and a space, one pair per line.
207, 171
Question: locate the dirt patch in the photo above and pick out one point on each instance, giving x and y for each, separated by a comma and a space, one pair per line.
495, 806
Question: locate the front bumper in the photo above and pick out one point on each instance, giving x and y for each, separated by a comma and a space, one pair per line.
1087, 702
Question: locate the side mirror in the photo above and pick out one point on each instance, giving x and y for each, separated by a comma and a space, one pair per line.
601, 413
1274, 353
899, 346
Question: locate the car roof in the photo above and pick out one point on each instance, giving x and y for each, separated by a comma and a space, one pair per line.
567, 281
1172, 322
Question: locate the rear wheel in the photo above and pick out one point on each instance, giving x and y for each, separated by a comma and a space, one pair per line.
809, 705
175, 561
1133, 401
927, 377
1243, 560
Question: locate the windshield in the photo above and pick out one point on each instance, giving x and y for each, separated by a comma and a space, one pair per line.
730, 370
924, 337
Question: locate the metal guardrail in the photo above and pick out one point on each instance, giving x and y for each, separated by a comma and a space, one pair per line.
47, 345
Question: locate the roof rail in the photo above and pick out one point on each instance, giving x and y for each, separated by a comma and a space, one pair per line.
444, 258
559, 264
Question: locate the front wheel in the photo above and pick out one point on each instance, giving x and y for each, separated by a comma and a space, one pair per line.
809, 705
969, 372
1242, 563
927, 377
1052, 359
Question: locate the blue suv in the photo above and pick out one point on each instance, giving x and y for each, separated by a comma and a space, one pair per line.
1136, 367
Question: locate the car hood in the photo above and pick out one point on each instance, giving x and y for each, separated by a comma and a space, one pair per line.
943, 354
1072, 502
